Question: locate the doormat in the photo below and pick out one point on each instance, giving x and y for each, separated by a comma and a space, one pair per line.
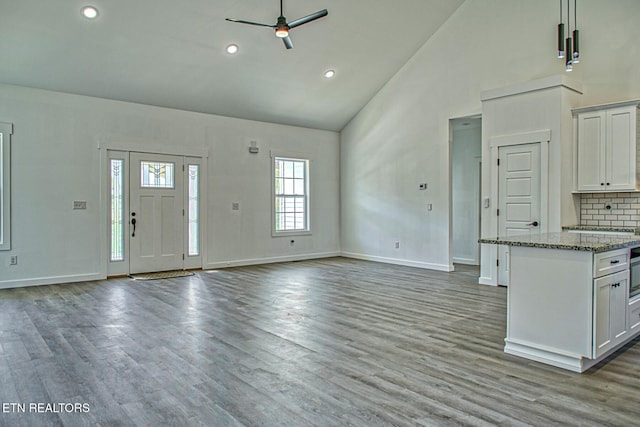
161, 275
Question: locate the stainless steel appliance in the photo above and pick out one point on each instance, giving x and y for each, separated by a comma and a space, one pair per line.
634, 269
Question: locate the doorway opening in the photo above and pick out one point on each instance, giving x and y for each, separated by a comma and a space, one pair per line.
154, 205
465, 193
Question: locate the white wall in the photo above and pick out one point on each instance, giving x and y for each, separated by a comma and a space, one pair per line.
401, 137
466, 150
55, 160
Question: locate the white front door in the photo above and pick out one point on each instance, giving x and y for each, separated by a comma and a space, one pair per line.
156, 213
518, 197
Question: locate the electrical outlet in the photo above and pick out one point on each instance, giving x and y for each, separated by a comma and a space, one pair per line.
292, 242
79, 204
13, 260
422, 187
235, 206
397, 245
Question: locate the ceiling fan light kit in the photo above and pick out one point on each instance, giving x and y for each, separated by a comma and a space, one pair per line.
282, 27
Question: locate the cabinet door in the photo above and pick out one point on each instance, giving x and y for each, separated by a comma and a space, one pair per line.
621, 149
591, 151
611, 295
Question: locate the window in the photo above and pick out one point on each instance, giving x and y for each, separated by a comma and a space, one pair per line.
117, 209
291, 195
193, 176
156, 174
6, 129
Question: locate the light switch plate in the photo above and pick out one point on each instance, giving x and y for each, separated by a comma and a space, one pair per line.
79, 204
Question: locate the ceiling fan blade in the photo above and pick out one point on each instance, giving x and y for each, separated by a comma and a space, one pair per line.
308, 18
287, 42
240, 21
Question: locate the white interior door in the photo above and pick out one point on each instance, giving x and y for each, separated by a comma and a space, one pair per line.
518, 196
156, 213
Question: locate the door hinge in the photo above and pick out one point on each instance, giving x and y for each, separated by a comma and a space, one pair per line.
182, 168
497, 263
183, 257
498, 162
182, 212
498, 212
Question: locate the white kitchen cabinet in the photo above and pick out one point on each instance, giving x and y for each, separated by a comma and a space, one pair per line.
611, 296
634, 315
606, 148
569, 308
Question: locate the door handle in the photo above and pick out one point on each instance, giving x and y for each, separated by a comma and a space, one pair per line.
133, 222
534, 223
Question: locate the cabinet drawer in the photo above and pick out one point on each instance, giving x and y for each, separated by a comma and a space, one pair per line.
634, 315
610, 262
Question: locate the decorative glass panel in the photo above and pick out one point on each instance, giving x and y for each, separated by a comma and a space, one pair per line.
290, 194
117, 210
194, 204
156, 174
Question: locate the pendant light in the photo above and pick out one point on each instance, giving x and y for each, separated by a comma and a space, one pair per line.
569, 47
561, 35
576, 34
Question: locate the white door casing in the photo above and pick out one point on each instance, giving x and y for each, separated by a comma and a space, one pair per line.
156, 238
497, 256
518, 195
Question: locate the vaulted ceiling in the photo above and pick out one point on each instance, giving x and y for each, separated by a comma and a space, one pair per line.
172, 53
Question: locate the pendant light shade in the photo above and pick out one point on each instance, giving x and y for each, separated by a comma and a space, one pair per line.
568, 61
560, 40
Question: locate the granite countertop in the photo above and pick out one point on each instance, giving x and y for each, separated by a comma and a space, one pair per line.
597, 228
590, 242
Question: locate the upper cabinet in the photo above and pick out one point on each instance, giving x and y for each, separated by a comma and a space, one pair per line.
606, 148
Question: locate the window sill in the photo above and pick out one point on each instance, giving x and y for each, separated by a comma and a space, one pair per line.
291, 233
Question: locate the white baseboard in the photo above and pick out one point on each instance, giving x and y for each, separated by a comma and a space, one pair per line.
466, 261
52, 280
398, 261
487, 281
270, 260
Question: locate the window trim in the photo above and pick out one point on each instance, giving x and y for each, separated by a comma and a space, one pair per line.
291, 156
6, 129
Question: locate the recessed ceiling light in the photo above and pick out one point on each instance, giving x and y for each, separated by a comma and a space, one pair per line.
329, 74
89, 12
232, 49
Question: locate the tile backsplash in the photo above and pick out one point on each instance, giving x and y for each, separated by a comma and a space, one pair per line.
610, 209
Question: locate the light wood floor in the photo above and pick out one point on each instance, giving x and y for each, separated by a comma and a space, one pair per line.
330, 342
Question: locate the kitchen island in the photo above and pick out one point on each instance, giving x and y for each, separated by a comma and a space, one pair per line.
568, 297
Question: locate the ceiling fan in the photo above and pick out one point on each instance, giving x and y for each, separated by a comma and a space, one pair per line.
282, 27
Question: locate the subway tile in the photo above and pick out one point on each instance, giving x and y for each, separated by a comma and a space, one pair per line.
617, 223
